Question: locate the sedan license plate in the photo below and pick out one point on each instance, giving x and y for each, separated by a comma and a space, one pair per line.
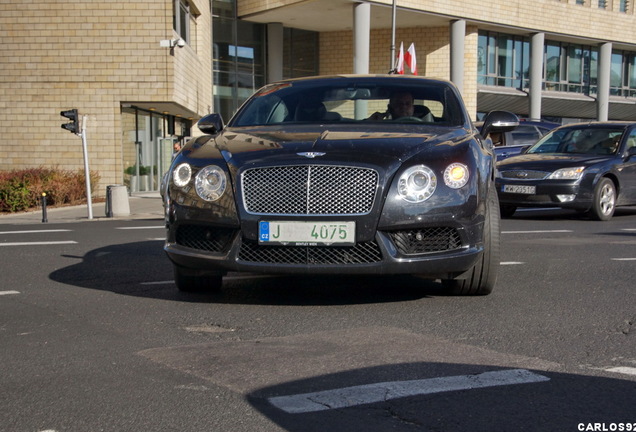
520, 189
306, 233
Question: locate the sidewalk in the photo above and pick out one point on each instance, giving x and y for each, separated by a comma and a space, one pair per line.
143, 205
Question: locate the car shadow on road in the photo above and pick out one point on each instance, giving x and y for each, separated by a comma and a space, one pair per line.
142, 269
562, 402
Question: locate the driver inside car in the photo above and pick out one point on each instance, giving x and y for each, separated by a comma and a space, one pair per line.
400, 106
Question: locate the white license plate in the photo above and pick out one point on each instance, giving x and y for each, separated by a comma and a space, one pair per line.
306, 233
520, 189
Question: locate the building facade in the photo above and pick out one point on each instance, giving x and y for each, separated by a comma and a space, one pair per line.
142, 72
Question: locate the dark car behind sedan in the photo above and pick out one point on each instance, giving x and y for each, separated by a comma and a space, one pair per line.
318, 176
514, 142
589, 167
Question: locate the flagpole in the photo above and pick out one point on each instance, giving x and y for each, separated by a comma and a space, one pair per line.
391, 64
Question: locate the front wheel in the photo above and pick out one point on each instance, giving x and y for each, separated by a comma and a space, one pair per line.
481, 278
193, 282
604, 200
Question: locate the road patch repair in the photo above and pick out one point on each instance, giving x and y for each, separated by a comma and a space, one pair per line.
406, 363
380, 392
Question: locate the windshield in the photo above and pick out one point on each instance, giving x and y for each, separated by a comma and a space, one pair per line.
583, 140
352, 101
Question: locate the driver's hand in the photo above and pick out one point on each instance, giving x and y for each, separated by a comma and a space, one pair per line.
377, 116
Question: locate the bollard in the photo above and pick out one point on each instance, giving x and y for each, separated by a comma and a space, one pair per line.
109, 202
43, 199
117, 201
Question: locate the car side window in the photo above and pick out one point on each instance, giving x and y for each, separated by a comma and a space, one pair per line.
631, 140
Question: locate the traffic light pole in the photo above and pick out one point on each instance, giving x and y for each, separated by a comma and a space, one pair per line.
87, 173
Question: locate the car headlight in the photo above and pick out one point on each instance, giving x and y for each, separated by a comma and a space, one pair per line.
417, 184
567, 174
210, 183
182, 174
456, 175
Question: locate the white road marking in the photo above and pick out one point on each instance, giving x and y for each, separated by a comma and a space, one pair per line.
39, 243
9, 292
380, 392
623, 259
35, 231
537, 232
511, 263
622, 370
141, 227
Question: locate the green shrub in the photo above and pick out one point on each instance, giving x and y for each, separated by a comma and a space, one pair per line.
14, 195
22, 189
143, 170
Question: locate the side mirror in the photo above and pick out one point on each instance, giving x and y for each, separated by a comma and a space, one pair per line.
631, 152
499, 121
211, 124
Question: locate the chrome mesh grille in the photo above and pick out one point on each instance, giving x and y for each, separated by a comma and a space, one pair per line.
437, 239
523, 174
309, 189
361, 253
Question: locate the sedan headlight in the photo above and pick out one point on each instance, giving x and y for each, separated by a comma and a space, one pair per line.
456, 175
567, 174
182, 174
417, 184
210, 183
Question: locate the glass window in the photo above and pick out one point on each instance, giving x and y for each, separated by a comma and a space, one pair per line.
552, 66
616, 73
352, 100
147, 147
300, 53
503, 60
181, 19
631, 74
238, 58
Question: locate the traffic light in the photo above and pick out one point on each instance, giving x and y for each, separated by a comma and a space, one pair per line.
73, 125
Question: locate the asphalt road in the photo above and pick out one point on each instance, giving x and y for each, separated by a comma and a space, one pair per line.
95, 337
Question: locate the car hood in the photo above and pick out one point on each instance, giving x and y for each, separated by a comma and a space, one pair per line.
261, 146
548, 162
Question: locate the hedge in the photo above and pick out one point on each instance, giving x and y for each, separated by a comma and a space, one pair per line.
22, 190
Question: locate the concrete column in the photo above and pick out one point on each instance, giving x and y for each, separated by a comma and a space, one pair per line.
361, 37
603, 89
537, 43
457, 36
274, 52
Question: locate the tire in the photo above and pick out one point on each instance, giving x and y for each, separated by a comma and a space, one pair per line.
507, 210
191, 282
481, 278
604, 203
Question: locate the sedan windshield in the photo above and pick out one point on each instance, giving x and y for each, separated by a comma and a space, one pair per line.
352, 101
583, 140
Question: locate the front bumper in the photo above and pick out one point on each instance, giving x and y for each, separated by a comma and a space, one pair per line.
434, 252
548, 193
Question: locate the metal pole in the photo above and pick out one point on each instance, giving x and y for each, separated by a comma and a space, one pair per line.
45, 219
392, 62
87, 175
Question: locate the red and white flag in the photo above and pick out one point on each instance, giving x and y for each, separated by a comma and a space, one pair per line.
410, 60
399, 62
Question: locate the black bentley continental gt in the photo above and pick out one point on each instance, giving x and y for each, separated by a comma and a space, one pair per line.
356, 175
588, 167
